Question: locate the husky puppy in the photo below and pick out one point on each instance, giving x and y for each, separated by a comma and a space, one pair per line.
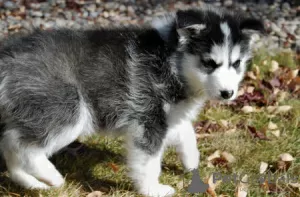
147, 83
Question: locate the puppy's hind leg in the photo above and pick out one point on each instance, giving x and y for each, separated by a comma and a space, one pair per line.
28, 166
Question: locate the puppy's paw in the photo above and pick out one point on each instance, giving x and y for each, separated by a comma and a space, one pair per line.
158, 190
191, 161
56, 181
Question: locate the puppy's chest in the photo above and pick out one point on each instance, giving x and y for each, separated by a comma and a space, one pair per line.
185, 110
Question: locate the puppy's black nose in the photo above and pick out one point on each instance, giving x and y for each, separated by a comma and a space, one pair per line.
226, 94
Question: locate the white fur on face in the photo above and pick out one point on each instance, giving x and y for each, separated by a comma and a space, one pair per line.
225, 77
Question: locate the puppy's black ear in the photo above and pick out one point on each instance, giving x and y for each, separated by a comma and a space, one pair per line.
251, 25
189, 23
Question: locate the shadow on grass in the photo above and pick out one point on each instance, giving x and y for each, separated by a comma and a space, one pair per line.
75, 163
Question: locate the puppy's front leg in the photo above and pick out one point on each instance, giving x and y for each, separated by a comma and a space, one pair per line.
182, 136
145, 151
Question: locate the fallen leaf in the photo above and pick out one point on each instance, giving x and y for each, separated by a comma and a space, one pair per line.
263, 167
242, 188
274, 66
228, 156
220, 162
256, 70
295, 185
294, 85
114, 167
248, 109
180, 185
210, 165
272, 126
265, 62
204, 135
230, 131
282, 96
251, 75
276, 91
211, 192
286, 157
275, 82
241, 92
276, 133
283, 108
295, 73
271, 109
215, 155
283, 166
250, 89
256, 134
94, 194
224, 123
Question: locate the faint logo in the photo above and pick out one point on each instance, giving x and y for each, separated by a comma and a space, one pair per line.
197, 185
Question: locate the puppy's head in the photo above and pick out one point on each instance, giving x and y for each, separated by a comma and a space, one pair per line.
216, 46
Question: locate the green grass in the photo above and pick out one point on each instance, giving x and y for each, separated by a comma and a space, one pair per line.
100, 162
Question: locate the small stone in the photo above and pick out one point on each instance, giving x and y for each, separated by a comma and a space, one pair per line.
105, 14
122, 8
37, 13
109, 5
130, 11
286, 6
94, 14
9, 5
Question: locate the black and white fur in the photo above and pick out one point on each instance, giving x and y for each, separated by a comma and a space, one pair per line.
147, 83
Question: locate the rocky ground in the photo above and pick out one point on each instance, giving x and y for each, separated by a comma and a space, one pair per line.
282, 19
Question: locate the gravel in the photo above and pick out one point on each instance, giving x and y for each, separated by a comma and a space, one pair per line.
282, 20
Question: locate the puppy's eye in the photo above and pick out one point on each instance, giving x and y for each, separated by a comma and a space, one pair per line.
209, 64
236, 64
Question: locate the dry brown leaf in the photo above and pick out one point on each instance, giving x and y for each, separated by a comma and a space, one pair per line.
241, 92
251, 75
242, 189
228, 156
257, 134
256, 70
282, 96
265, 62
286, 157
94, 194
274, 66
210, 165
272, 126
276, 91
276, 133
224, 123
114, 167
283, 108
250, 89
230, 131
248, 109
295, 73
271, 109
205, 135
295, 185
263, 167
180, 185
283, 165
216, 154
211, 192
